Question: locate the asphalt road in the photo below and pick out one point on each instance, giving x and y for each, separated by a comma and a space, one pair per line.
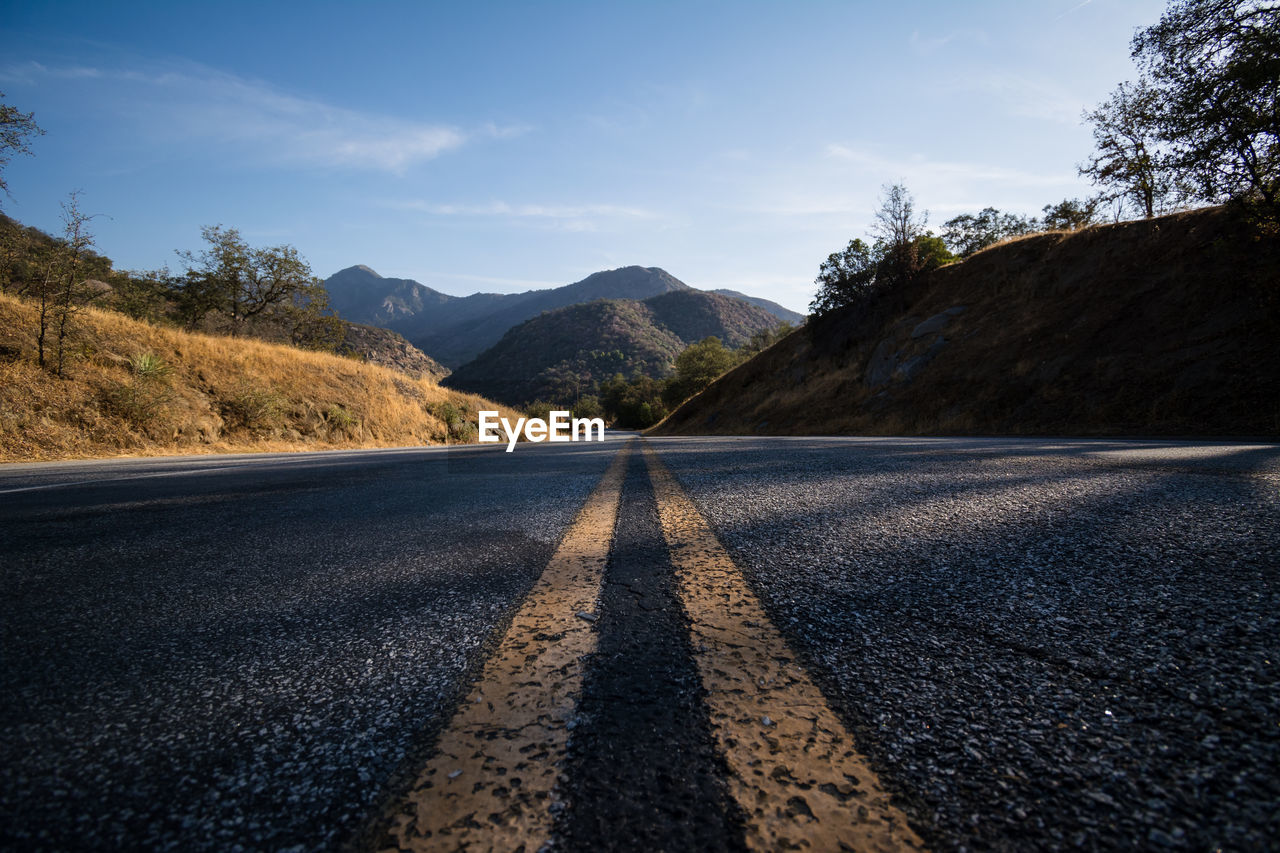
1036, 643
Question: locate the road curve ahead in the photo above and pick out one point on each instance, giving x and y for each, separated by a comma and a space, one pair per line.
665, 644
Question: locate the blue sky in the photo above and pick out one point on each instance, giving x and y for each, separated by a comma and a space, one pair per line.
504, 146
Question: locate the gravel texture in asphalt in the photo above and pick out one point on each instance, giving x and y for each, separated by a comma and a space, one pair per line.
1041, 644
248, 655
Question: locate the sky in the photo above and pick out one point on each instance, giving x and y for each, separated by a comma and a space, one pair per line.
494, 146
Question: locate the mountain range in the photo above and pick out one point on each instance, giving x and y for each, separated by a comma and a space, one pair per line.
566, 353
456, 329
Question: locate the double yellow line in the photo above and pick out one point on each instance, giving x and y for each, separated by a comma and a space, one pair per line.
795, 771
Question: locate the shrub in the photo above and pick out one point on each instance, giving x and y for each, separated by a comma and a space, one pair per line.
143, 405
340, 419
455, 421
252, 408
148, 365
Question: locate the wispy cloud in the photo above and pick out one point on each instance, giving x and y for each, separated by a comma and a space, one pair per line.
1026, 96
924, 45
540, 211
926, 170
197, 104
841, 185
1073, 9
570, 217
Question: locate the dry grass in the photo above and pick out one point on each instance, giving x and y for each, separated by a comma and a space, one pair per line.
1160, 327
136, 389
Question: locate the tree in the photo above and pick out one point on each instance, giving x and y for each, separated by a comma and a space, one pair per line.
588, 406
240, 281
1215, 68
846, 277
310, 322
897, 227
902, 250
141, 295
930, 253
61, 291
1130, 162
1071, 214
16, 128
968, 232
635, 403
762, 339
697, 367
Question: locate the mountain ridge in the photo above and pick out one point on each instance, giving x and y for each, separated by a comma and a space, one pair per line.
564, 354
456, 329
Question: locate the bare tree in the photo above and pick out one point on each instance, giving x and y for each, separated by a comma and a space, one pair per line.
61, 291
16, 128
898, 228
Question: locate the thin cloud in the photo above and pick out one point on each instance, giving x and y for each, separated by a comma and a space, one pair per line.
924, 45
842, 185
536, 211
936, 170
1073, 9
1028, 97
562, 217
511, 131
195, 104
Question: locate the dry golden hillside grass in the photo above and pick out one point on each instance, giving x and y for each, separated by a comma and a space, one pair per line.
1167, 326
135, 389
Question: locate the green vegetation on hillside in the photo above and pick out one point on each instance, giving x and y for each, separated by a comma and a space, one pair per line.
565, 355
1165, 326
1200, 125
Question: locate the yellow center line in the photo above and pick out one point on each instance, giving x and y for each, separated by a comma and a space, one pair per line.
490, 783
795, 770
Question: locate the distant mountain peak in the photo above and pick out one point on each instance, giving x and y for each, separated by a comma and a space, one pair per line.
357, 271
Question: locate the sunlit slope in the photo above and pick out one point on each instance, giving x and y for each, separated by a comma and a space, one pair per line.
1168, 326
135, 389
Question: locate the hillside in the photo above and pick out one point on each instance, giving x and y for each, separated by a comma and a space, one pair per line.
563, 354
784, 314
389, 349
455, 329
137, 389
25, 256
1159, 327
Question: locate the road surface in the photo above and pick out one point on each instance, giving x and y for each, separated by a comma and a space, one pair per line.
646, 644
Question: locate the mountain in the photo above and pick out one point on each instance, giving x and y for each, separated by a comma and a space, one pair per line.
455, 329
1165, 326
362, 296
784, 314
564, 353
